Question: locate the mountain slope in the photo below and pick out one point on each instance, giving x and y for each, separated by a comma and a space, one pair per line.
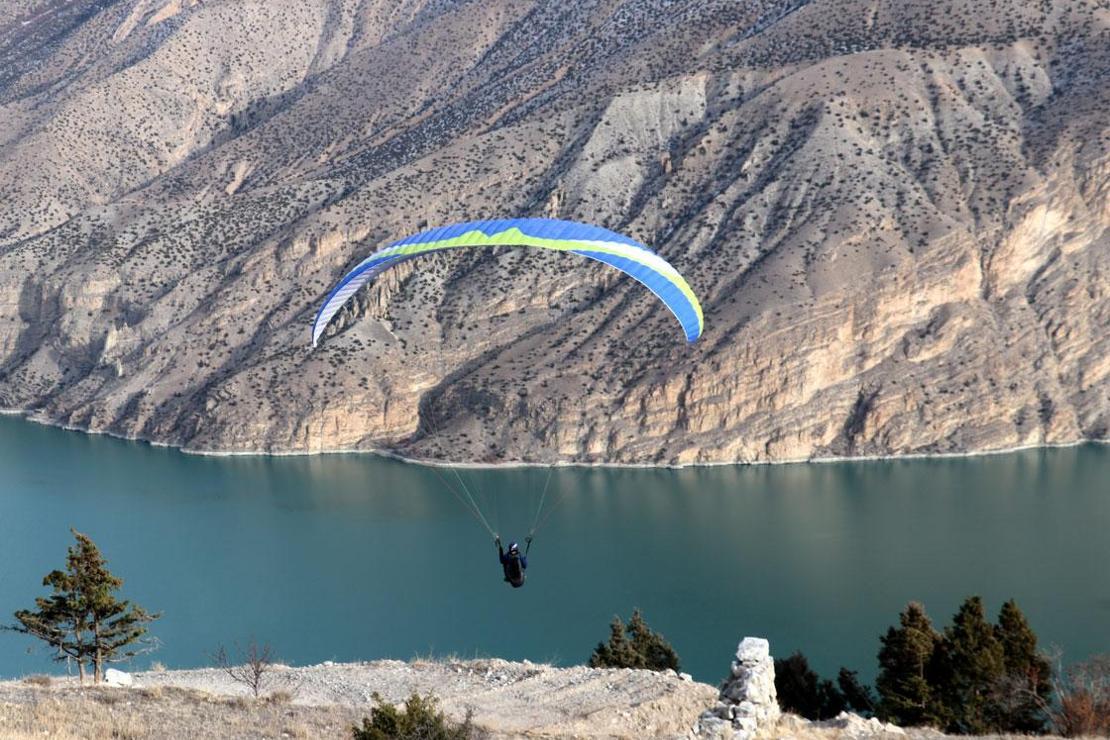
895, 215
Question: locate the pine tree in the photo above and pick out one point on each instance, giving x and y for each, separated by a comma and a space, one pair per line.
1018, 700
617, 652
801, 691
656, 652
82, 619
634, 646
974, 665
905, 662
858, 696
796, 686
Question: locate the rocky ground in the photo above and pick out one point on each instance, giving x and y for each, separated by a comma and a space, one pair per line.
508, 700
894, 211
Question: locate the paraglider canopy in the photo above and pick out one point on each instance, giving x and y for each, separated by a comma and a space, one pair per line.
594, 242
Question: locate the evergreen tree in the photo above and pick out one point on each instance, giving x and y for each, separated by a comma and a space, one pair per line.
617, 652
634, 646
857, 696
796, 686
905, 664
420, 720
82, 619
801, 691
974, 664
1019, 698
656, 652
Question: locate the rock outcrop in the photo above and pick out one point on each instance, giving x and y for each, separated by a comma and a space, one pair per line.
850, 726
748, 699
747, 707
895, 215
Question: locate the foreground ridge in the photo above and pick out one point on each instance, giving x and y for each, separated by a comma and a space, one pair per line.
508, 699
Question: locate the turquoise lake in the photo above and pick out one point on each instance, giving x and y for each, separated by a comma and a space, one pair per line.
355, 557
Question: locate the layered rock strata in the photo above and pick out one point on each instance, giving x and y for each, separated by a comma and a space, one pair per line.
895, 215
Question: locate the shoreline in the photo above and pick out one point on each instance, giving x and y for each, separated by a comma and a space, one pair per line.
390, 455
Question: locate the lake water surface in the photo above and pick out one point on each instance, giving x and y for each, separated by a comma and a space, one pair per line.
355, 557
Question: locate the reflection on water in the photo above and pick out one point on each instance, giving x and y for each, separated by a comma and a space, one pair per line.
355, 557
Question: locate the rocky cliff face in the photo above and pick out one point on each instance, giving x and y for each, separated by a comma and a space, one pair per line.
895, 214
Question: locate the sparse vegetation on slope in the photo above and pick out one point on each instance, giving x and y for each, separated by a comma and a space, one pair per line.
894, 214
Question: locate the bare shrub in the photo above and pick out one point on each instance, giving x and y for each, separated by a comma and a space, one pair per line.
280, 697
251, 666
1083, 699
38, 680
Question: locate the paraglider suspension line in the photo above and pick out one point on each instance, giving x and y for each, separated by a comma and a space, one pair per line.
539, 508
558, 500
466, 498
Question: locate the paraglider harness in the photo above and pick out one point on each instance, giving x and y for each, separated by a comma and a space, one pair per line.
513, 562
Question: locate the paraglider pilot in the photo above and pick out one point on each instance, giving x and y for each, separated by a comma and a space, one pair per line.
513, 562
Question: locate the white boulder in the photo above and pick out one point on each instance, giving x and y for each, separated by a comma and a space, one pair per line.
112, 677
753, 650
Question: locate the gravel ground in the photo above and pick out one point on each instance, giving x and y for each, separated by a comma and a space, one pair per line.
507, 699
504, 697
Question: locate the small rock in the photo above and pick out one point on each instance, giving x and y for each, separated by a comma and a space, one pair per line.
710, 726
748, 709
854, 726
686, 677
745, 724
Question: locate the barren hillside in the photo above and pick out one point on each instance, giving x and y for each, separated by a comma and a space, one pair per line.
895, 213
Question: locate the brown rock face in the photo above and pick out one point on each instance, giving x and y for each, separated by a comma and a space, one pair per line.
895, 214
